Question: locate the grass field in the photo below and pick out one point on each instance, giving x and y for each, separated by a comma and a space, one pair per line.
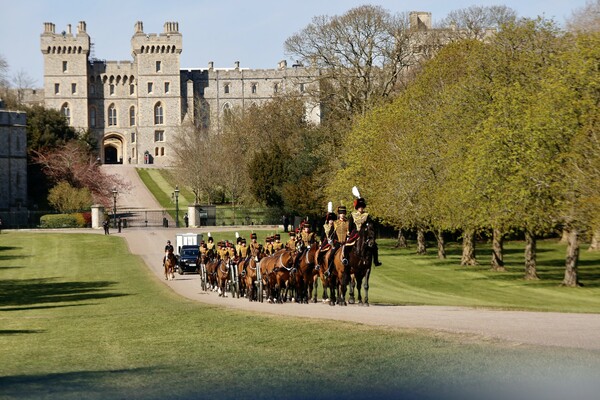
81, 318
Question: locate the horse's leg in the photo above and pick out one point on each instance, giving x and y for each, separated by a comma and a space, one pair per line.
366, 286
359, 280
352, 284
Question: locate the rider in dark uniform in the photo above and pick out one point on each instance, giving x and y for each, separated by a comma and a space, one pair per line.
168, 248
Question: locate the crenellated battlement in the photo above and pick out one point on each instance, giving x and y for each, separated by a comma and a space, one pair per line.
168, 42
65, 42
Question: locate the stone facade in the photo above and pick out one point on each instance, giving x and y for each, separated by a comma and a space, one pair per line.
13, 160
134, 108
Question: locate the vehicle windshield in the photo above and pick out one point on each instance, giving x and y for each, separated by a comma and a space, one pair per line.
189, 253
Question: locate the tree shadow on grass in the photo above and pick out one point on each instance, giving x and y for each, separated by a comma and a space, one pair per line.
7, 332
80, 384
36, 292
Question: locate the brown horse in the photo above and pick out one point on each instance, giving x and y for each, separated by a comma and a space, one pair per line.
223, 276
304, 278
360, 268
250, 275
275, 271
170, 263
211, 274
322, 258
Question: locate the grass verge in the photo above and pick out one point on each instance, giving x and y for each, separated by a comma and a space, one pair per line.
82, 318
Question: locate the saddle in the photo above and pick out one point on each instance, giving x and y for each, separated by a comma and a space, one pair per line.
351, 240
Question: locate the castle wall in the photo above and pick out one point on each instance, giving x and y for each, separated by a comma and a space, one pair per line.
13, 160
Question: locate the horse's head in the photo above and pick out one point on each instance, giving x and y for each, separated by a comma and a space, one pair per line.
366, 238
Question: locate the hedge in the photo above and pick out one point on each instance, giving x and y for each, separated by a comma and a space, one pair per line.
75, 220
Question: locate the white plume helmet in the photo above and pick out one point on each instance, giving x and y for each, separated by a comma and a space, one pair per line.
208, 234
355, 192
330, 207
237, 235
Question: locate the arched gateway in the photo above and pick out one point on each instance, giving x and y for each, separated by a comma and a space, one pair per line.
113, 147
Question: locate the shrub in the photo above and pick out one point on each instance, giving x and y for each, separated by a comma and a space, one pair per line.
60, 221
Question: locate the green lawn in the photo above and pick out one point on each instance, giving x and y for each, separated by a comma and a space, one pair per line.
82, 318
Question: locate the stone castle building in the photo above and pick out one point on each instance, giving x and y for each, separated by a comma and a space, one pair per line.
134, 108
13, 161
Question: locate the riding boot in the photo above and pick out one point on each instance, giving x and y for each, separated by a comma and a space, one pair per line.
376, 255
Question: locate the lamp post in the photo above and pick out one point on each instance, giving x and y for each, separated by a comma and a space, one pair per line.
177, 206
114, 193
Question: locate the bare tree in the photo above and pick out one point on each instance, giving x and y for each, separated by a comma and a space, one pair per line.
22, 81
473, 22
360, 55
3, 72
586, 18
195, 163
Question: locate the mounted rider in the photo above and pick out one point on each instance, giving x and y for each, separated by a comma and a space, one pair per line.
342, 230
291, 243
277, 245
168, 250
256, 248
327, 233
359, 217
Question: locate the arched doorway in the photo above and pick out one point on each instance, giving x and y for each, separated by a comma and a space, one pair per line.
110, 155
114, 149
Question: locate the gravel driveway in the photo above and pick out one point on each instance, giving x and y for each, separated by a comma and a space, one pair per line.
537, 328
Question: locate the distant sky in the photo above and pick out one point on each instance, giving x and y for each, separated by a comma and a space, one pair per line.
223, 31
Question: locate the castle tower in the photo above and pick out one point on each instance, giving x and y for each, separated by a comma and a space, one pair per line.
157, 58
65, 72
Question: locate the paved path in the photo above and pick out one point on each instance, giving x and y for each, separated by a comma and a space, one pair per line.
548, 329
138, 196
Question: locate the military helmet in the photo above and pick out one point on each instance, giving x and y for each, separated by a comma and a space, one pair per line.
341, 210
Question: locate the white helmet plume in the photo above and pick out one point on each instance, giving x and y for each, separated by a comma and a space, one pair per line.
237, 235
330, 207
208, 234
355, 192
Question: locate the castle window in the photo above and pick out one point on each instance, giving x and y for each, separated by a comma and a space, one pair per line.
66, 112
64, 66
158, 114
158, 66
167, 87
56, 88
159, 136
112, 89
156, 151
112, 115
276, 88
92, 89
133, 152
253, 88
226, 88
302, 88
131, 89
162, 151
73, 88
131, 116
132, 137
92, 117
150, 87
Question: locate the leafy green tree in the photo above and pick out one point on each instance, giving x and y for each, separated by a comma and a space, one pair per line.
572, 92
66, 198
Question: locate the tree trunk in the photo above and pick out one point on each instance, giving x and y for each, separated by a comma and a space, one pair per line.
564, 238
571, 279
401, 243
441, 245
468, 254
530, 256
498, 251
421, 246
595, 245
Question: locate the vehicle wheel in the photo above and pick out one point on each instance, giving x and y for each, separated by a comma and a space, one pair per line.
179, 271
